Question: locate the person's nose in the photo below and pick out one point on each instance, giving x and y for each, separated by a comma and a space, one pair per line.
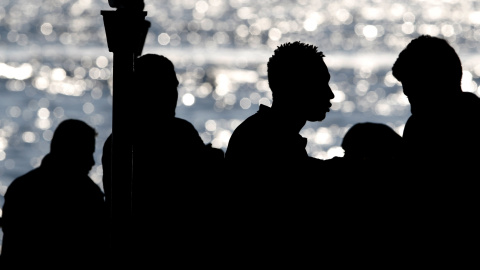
331, 95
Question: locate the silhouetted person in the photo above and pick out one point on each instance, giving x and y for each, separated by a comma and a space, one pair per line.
372, 141
374, 180
277, 184
173, 172
442, 133
442, 144
268, 144
375, 150
54, 215
372, 165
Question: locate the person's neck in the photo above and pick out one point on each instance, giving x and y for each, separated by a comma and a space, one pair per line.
288, 116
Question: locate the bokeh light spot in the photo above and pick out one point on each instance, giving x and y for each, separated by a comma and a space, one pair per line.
29, 137
163, 39
408, 28
188, 99
245, 103
310, 24
43, 113
3, 143
88, 108
211, 125
58, 74
46, 29
370, 32
101, 61
274, 34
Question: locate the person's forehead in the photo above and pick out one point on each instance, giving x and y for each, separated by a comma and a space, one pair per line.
323, 67
317, 67
314, 62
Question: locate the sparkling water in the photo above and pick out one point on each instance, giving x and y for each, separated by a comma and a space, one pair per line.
55, 64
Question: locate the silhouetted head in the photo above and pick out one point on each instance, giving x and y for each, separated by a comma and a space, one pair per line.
430, 72
372, 141
73, 143
298, 78
157, 85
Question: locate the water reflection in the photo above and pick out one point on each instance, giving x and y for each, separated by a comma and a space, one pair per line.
55, 64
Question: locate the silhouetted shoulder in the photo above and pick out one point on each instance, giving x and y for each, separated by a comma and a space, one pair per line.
24, 183
263, 137
247, 135
470, 101
181, 130
184, 125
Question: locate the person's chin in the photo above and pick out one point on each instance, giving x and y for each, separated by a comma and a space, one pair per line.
317, 118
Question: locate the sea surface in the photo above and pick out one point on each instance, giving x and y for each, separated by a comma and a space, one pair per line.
55, 64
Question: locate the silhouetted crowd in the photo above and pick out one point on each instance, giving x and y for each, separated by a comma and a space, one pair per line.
392, 200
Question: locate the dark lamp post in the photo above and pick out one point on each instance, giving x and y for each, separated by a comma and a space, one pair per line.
126, 30
125, 35
129, 4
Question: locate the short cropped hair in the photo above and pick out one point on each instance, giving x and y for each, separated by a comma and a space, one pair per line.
73, 136
290, 60
152, 66
369, 140
432, 57
155, 84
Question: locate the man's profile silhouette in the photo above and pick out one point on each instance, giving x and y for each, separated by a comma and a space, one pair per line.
268, 144
276, 199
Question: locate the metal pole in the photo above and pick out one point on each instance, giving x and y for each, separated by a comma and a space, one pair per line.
126, 29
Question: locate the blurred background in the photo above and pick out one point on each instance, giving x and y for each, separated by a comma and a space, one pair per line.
55, 64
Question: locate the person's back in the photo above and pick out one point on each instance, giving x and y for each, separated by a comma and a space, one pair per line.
54, 215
